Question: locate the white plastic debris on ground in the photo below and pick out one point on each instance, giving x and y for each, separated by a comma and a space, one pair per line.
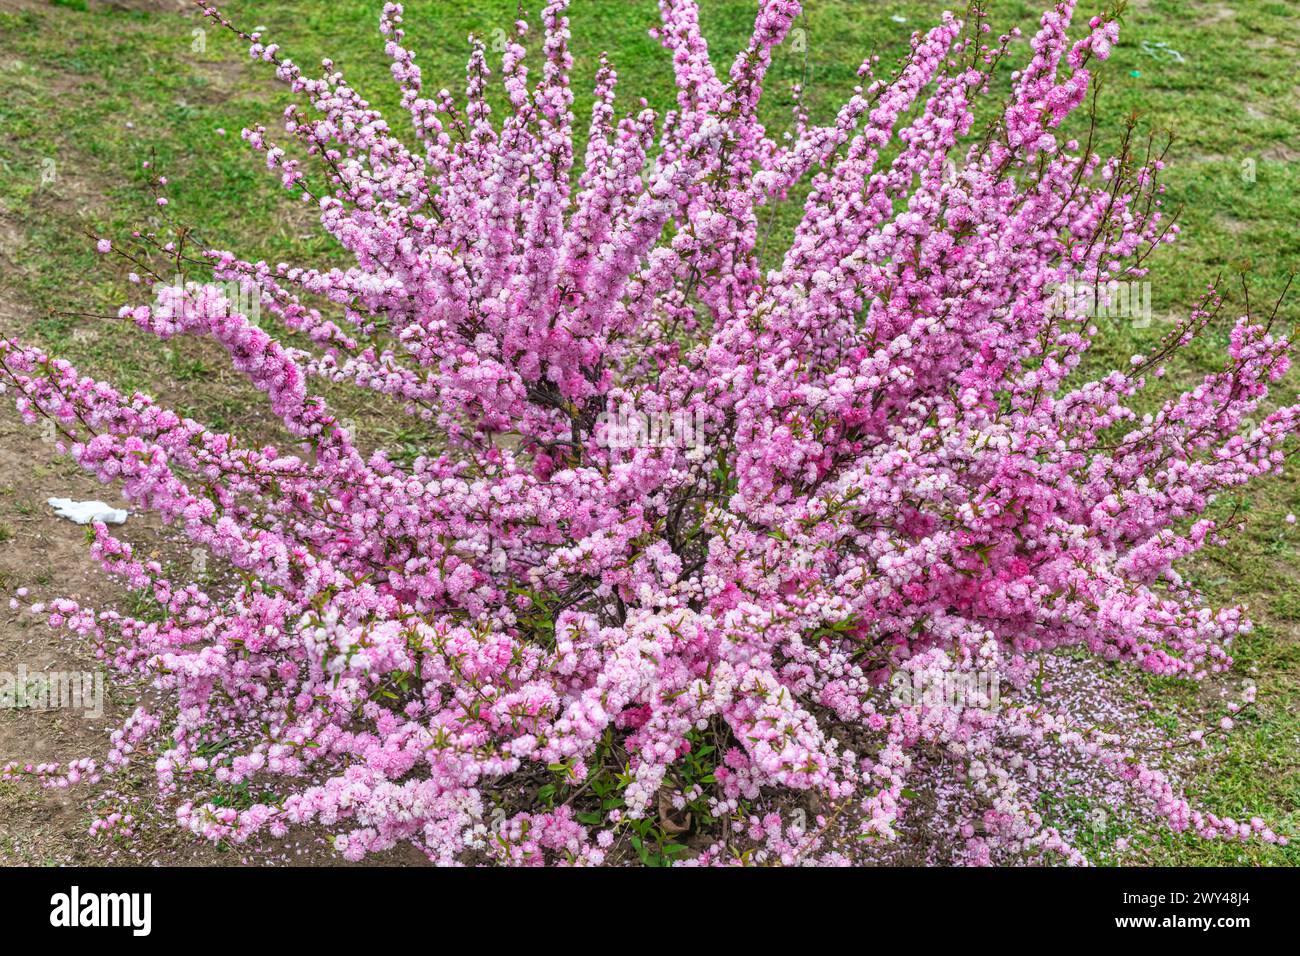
85, 512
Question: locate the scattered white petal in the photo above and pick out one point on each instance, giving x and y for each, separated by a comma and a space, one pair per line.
84, 512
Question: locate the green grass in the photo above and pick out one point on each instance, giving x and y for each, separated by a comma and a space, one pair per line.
91, 91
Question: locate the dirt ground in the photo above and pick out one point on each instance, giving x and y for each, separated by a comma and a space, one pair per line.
49, 555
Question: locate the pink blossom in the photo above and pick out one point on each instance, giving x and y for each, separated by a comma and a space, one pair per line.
897, 474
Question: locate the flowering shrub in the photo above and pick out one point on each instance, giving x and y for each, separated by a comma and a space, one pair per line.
543, 642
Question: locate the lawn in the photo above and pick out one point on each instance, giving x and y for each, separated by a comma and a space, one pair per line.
94, 89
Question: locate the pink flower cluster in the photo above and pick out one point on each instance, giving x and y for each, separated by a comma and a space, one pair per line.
510, 649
